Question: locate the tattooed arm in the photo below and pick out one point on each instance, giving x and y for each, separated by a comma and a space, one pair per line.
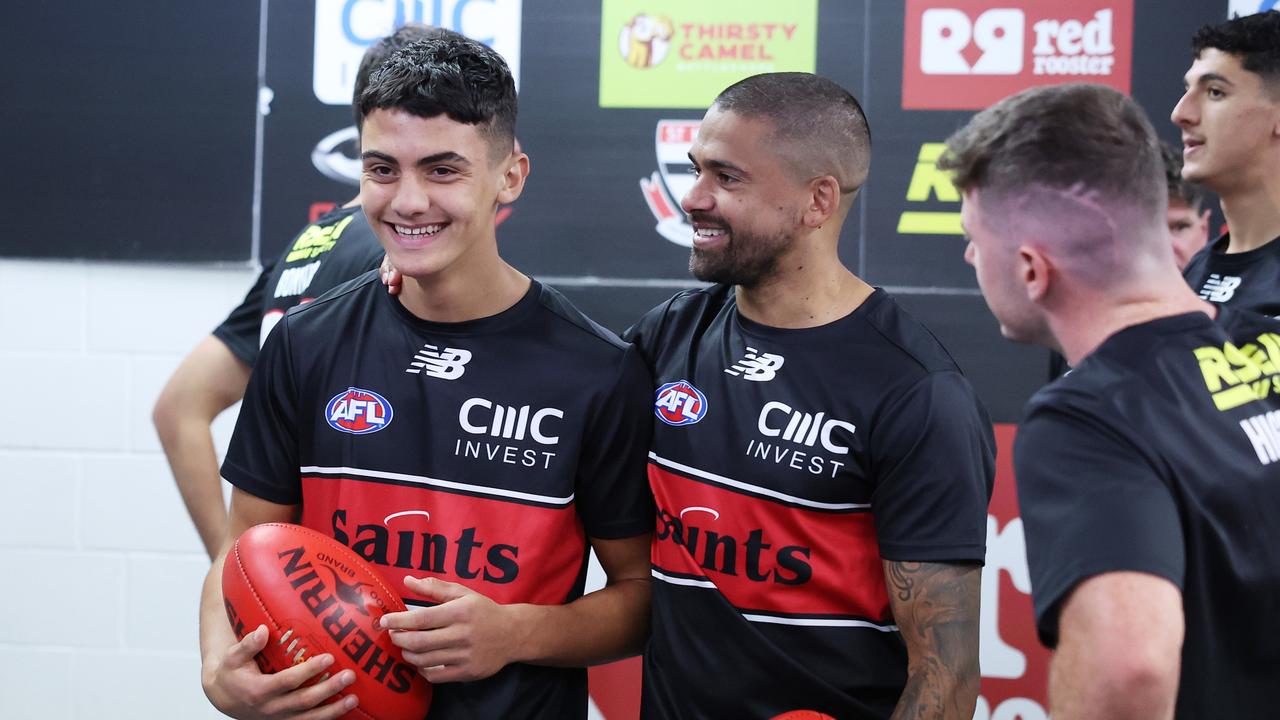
936, 608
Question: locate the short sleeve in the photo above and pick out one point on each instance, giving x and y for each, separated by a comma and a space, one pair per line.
612, 485
1091, 503
262, 458
933, 456
240, 331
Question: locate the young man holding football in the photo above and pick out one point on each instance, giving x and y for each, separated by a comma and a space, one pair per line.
470, 437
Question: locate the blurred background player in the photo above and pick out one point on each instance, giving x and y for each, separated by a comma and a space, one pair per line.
1230, 121
1187, 217
212, 377
1147, 477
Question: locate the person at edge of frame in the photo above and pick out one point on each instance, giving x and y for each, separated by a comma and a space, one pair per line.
1147, 477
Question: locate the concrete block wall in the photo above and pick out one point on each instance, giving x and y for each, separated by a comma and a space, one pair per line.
102, 568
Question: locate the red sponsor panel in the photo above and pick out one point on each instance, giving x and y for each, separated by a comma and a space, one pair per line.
968, 54
1015, 666
509, 551
768, 556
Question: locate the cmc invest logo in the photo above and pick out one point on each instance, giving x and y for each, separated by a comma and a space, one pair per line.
967, 54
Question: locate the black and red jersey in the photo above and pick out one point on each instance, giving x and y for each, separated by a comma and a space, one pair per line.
330, 251
786, 465
484, 452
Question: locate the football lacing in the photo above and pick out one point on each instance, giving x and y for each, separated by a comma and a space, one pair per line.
302, 651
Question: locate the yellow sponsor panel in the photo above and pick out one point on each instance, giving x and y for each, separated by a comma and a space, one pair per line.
930, 183
1236, 376
680, 54
317, 240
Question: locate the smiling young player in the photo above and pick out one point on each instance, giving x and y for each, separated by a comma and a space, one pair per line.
475, 433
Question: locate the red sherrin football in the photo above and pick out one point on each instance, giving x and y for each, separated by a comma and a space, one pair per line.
315, 596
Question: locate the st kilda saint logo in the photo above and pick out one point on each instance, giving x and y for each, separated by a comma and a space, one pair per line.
358, 411
674, 178
680, 403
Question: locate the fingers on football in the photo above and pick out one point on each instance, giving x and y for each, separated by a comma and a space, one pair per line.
423, 641
305, 703
242, 652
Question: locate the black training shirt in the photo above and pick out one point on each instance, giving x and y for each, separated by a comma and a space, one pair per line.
332, 250
1159, 454
1244, 281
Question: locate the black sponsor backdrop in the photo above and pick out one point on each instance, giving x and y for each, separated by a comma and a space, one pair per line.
152, 133
129, 128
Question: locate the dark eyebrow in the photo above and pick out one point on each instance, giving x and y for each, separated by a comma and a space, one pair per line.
447, 155
721, 165
1212, 77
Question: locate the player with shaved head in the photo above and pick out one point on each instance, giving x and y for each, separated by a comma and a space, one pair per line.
1148, 476
820, 465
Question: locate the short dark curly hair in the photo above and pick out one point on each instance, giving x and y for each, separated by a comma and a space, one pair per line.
1254, 39
378, 54
452, 75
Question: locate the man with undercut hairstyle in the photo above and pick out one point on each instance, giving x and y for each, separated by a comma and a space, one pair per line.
1149, 477
472, 437
1230, 121
821, 467
1186, 219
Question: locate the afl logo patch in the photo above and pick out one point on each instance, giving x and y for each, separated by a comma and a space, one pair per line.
680, 403
358, 411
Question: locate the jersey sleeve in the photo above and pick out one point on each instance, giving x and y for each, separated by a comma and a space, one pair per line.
612, 483
240, 331
1091, 503
262, 458
933, 454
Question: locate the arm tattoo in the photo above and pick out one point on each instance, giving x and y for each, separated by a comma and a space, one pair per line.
936, 608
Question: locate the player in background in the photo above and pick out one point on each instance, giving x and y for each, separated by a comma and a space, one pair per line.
1187, 217
472, 437
1147, 477
1230, 122
821, 466
212, 377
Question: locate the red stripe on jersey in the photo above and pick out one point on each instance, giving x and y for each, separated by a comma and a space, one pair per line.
511, 552
768, 556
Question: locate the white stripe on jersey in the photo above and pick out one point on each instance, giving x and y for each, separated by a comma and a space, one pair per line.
449, 484
774, 619
722, 480
683, 581
819, 622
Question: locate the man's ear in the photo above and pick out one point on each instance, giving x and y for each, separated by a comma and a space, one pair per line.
824, 200
1035, 271
513, 178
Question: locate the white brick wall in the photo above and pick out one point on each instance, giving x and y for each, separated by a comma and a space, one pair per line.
102, 566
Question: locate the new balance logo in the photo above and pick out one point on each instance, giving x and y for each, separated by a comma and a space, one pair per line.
447, 364
1219, 288
757, 366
